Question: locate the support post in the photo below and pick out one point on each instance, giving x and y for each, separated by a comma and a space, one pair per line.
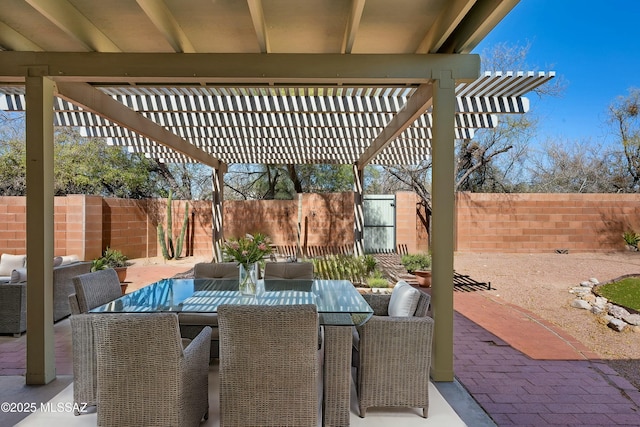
443, 152
217, 233
41, 367
358, 210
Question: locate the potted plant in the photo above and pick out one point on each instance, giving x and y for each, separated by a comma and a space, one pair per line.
112, 258
631, 239
420, 266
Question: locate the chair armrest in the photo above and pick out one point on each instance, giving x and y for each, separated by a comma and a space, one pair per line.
194, 381
73, 304
379, 303
19, 275
199, 347
396, 337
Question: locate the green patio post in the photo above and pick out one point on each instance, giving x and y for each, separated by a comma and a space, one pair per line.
41, 366
443, 148
217, 235
358, 224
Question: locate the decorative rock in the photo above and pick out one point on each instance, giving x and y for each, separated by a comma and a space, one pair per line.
580, 303
601, 301
632, 319
618, 312
617, 324
615, 317
580, 290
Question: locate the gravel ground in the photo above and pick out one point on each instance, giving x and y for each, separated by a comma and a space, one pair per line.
540, 283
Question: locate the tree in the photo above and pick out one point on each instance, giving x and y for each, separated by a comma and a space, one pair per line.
624, 116
285, 181
81, 166
492, 160
13, 168
565, 167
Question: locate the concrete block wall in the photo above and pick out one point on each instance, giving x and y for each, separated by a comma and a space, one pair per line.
325, 219
13, 225
85, 225
544, 222
77, 225
275, 218
410, 230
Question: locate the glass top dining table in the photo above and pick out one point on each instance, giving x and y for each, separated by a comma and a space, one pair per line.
337, 301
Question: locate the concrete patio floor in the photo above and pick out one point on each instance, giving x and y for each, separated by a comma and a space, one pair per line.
547, 378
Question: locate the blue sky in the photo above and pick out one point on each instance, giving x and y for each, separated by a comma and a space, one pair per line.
593, 45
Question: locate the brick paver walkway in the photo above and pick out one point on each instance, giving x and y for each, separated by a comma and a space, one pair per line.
517, 390
524, 371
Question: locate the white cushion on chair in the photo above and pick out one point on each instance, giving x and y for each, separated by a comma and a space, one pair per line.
9, 262
404, 300
69, 259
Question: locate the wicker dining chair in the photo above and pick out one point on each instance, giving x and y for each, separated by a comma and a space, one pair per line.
145, 377
268, 365
393, 356
91, 290
288, 270
96, 288
216, 270
192, 323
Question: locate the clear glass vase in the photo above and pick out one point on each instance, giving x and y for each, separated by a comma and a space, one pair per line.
248, 278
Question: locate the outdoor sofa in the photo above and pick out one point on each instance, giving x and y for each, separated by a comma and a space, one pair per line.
13, 296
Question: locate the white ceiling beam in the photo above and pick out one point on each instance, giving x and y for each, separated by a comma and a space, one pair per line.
296, 69
165, 22
449, 18
479, 21
97, 102
13, 40
417, 105
353, 24
259, 25
66, 17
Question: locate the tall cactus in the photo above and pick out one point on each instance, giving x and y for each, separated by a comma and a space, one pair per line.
183, 231
166, 240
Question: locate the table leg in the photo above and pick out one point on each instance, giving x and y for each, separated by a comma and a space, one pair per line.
337, 376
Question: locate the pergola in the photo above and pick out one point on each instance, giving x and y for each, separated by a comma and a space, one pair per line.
263, 81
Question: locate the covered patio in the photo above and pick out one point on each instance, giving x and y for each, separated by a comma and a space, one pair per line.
274, 82
398, 66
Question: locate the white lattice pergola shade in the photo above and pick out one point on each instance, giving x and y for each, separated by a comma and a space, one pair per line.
291, 125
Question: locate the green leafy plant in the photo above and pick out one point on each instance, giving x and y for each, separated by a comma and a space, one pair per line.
376, 280
413, 262
166, 239
631, 238
111, 258
344, 267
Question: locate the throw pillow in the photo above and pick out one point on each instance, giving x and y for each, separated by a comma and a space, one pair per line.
69, 259
9, 262
404, 300
57, 260
19, 275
